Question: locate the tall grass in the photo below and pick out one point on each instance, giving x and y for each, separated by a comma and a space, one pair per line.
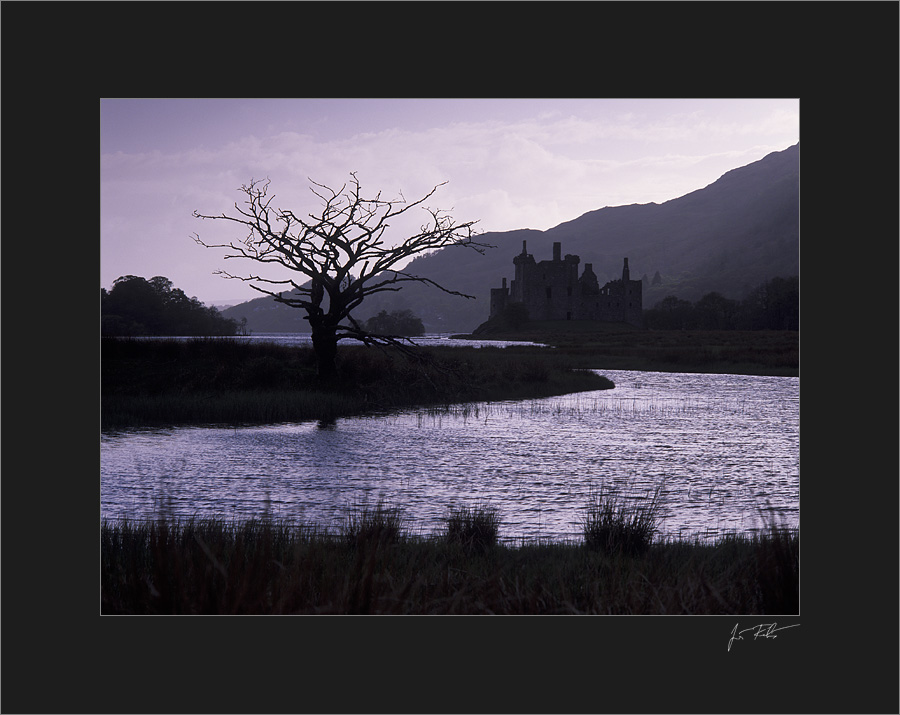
474, 528
373, 563
377, 525
614, 522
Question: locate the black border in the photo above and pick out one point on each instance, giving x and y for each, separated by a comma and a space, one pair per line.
59, 655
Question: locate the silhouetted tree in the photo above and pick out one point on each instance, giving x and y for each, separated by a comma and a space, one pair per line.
671, 313
136, 306
342, 253
714, 312
783, 303
773, 305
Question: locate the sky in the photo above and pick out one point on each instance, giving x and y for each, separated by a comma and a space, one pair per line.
507, 163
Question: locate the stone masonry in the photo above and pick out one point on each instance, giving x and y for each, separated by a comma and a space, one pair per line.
552, 290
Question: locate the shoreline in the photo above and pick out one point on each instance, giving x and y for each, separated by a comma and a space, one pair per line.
774, 353
159, 382
150, 383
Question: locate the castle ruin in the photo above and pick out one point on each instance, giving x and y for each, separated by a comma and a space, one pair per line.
552, 290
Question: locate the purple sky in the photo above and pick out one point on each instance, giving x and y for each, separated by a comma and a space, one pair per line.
510, 163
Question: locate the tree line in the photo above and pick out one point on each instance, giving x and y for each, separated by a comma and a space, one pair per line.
137, 306
773, 305
397, 322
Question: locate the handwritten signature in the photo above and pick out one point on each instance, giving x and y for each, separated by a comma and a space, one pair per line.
763, 630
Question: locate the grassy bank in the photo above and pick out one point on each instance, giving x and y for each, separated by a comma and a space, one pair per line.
166, 382
620, 347
375, 564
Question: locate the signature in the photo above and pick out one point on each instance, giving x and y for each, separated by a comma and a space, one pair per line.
763, 630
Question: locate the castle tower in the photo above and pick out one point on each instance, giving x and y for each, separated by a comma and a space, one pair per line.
519, 287
588, 281
626, 274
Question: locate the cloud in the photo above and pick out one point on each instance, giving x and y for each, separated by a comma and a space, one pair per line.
533, 172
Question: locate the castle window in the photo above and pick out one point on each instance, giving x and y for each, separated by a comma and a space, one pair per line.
548, 293
569, 290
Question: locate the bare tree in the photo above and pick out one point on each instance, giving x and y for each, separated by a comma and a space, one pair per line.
341, 251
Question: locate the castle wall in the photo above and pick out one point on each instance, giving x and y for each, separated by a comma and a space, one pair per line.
552, 290
549, 288
499, 299
616, 302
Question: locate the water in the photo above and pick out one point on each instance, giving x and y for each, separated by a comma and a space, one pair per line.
725, 447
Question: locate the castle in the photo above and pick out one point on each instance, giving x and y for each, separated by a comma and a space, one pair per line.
552, 290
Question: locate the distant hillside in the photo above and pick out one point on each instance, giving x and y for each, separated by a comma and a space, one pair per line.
264, 315
729, 237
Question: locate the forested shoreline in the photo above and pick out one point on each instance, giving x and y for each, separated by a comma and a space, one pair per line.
772, 305
135, 306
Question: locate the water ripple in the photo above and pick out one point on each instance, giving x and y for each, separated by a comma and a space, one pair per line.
725, 446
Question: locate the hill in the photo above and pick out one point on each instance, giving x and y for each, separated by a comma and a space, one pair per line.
728, 237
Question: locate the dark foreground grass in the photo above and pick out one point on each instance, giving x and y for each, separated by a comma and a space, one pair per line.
372, 564
615, 523
204, 381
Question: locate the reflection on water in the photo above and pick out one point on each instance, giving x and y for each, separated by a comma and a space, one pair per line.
726, 448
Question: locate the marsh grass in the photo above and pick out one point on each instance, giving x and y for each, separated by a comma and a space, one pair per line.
203, 381
474, 528
615, 522
372, 563
367, 525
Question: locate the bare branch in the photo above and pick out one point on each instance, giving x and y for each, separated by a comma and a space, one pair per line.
341, 250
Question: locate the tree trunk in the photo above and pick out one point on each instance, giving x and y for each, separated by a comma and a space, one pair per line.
324, 342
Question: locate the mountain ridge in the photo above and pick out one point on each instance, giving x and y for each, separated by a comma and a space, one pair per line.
728, 237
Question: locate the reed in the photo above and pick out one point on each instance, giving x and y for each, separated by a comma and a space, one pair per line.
366, 525
373, 563
614, 522
474, 528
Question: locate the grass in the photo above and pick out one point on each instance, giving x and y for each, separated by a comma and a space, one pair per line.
373, 525
613, 523
169, 382
373, 564
474, 528
620, 347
